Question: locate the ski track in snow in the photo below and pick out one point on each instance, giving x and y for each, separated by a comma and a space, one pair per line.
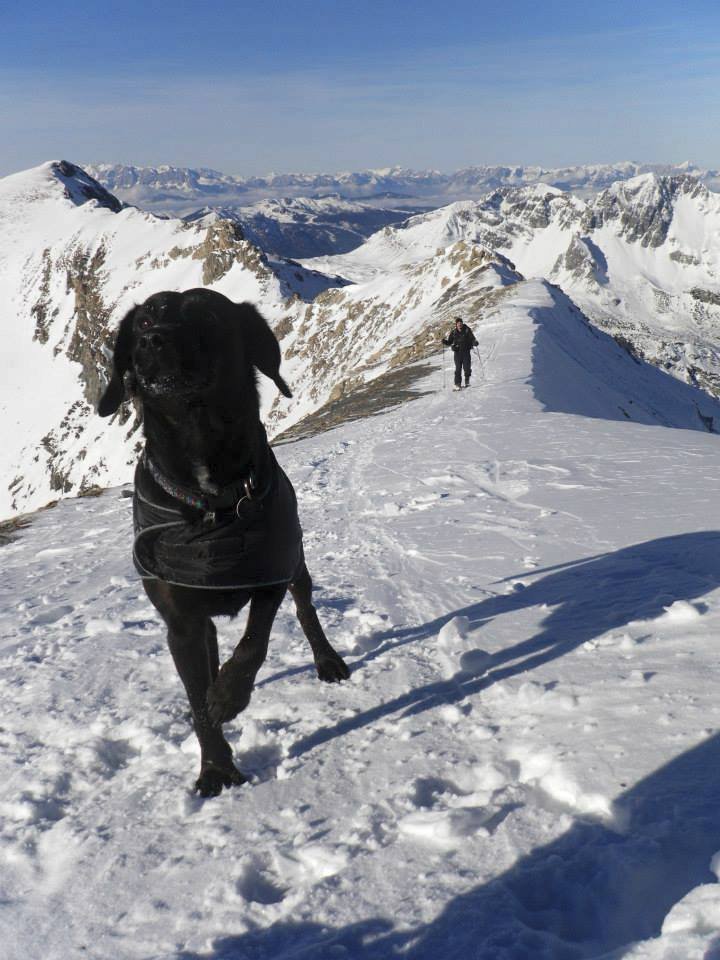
523, 765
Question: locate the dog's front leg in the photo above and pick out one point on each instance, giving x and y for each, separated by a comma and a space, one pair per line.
193, 645
231, 692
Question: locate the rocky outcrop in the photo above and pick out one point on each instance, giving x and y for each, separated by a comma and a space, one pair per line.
705, 296
91, 336
43, 311
223, 245
644, 207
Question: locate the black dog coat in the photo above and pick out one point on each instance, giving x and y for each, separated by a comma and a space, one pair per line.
255, 544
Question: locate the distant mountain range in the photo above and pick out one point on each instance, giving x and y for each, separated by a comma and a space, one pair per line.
180, 190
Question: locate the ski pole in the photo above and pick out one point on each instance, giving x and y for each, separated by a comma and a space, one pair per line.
480, 361
443, 364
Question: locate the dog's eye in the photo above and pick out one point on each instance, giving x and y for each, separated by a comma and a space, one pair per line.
145, 323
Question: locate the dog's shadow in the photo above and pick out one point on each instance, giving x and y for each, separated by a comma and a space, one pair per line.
586, 598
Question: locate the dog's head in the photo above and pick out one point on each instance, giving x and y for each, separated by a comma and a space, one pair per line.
186, 345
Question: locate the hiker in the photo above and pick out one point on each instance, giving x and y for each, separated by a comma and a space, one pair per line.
462, 340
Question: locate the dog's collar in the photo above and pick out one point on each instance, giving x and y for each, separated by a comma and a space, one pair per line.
227, 498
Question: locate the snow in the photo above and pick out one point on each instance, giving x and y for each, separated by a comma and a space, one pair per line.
524, 762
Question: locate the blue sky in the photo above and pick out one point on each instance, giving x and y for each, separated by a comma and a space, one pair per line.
249, 89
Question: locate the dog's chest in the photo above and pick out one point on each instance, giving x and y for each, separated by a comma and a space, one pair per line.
257, 544
201, 471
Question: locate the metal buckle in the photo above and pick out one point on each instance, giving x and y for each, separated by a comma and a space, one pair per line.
248, 486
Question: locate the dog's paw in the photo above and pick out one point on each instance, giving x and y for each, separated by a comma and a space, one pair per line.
213, 778
331, 668
230, 693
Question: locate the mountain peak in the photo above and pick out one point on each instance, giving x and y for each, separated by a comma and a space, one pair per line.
645, 204
52, 179
80, 187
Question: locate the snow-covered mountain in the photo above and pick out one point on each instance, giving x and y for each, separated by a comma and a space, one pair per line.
524, 763
356, 329
179, 189
642, 258
307, 227
72, 262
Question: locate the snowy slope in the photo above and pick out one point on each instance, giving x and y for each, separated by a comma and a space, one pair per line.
641, 260
524, 763
350, 336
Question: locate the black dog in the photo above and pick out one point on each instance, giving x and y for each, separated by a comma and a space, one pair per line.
215, 517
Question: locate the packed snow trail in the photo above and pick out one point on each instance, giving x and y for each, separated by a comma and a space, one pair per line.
523, 764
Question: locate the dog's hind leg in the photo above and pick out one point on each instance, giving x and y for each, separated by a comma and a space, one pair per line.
193, 645
233, 686
329, 664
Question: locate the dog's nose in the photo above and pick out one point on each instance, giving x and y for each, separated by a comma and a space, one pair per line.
153, 341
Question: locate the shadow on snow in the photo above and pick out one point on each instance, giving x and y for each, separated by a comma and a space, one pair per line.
586, 598
595, 890
579, 369
590, 893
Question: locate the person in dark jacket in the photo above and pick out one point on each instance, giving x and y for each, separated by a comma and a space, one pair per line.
462, 340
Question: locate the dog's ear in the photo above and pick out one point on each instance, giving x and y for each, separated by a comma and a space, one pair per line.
262, 346
122, 361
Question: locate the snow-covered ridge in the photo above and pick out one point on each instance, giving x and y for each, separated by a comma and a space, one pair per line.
524, 762
642, 259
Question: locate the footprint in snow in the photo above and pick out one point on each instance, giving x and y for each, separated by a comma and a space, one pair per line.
50, 615
262, 750
426, 790
473, 803
258, 884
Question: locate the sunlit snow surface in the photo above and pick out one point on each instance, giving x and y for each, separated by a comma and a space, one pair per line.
525, 763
